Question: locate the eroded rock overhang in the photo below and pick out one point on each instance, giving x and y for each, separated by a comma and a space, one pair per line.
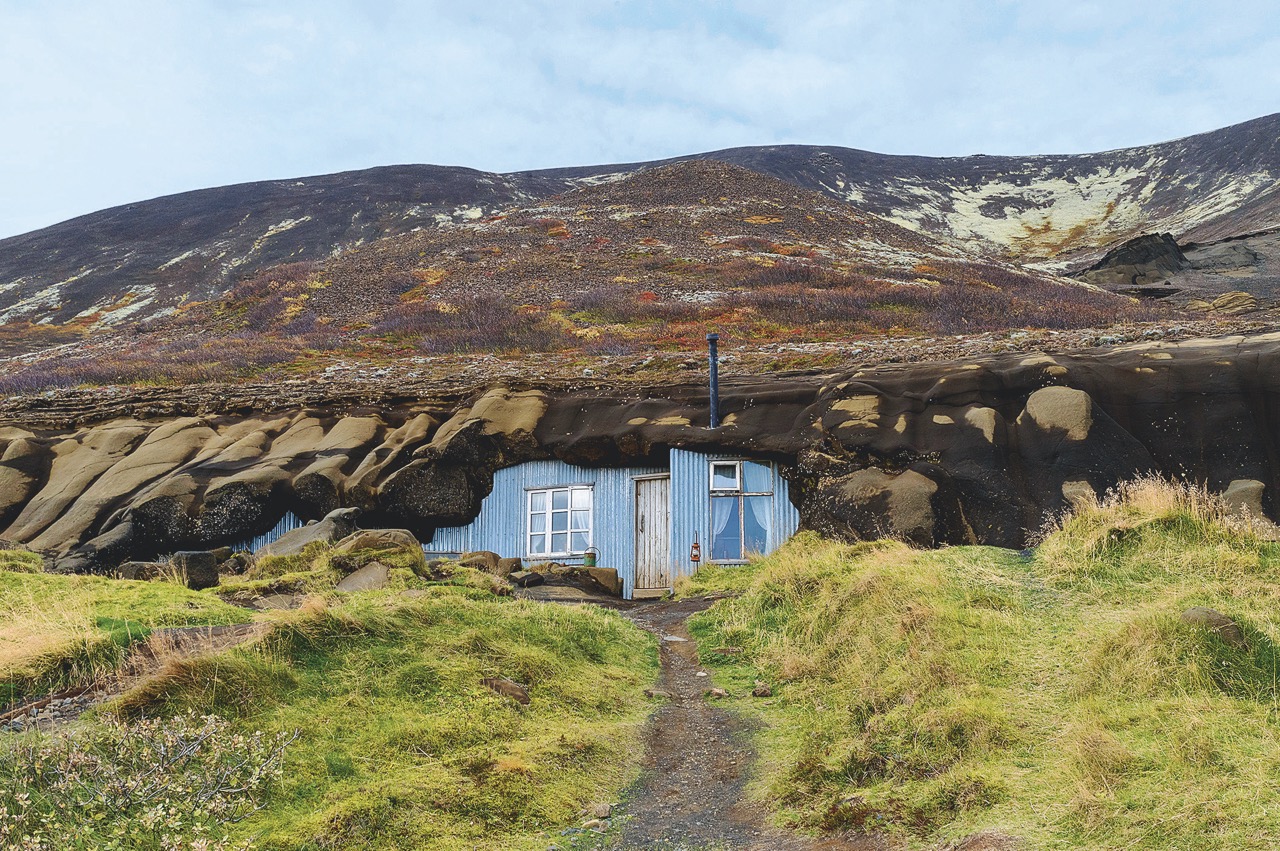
972, 451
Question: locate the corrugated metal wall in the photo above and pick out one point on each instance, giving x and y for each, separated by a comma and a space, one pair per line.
691, 506
288, 523
500, 527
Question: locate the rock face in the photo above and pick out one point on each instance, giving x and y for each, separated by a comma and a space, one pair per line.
976, 450
1142, 261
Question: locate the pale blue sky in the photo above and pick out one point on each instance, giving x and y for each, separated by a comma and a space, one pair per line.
110, 102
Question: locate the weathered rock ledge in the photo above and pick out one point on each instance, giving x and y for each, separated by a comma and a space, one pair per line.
973, 450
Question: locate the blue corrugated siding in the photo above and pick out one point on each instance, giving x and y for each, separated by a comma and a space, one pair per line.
691, 506
500, 526
288, 523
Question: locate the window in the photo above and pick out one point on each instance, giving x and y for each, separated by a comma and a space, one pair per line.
741, 504
559, 521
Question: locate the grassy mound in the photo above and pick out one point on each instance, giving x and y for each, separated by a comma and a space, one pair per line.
1060, 697
58, 631
402, 745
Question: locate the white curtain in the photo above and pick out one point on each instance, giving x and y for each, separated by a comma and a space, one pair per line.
725, 542
759, 507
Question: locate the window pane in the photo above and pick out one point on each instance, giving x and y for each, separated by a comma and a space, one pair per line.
755, 523
560, 543
538, 501
726, 528
537, 522
581, 520
724, 477
578, 541
559, 521
537, 544
559, 499
757, 478
581, 498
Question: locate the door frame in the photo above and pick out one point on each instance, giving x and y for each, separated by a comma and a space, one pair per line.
636, 590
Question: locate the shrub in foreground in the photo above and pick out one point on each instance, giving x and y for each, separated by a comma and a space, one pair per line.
151, 784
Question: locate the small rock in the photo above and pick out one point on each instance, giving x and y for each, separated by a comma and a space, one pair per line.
1216, 622
657, 692
701, 674
715, 692
508, 688
598, 825
526, 578
762, 689
599, 810
674, 639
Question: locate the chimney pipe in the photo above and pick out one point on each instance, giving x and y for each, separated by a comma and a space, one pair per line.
713, 357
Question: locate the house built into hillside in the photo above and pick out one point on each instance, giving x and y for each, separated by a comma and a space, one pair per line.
642, 521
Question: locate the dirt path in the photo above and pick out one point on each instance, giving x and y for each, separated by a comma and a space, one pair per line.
697, 761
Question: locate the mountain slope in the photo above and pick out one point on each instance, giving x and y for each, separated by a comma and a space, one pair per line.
1061, 212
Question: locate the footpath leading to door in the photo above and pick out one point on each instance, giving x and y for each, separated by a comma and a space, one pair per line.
698, 759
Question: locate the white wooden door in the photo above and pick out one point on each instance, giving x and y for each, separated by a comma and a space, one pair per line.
653, 533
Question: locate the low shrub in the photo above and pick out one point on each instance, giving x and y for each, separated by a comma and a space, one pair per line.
150, 784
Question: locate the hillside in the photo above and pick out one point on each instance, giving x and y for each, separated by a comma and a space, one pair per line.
140, 260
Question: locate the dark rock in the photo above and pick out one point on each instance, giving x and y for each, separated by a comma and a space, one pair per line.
237, 564
1216, 622
507, 688
526, 578
761, 689
198, 569
143, 571
1143, 260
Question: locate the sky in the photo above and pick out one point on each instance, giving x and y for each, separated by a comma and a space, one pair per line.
107, 102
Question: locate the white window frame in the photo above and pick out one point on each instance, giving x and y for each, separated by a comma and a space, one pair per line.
725, 493
547, 533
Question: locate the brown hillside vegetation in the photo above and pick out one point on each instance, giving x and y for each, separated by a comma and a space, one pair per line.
651, 260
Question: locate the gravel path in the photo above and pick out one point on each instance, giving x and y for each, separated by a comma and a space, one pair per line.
698, 760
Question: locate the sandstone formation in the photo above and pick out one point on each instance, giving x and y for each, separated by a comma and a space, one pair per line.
972, 450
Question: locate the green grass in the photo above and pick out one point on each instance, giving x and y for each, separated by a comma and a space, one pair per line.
59, 631
1056, 697
401, 745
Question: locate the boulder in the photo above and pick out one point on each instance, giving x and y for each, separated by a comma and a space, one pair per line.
526, 578
372, 577
335, 526
379, 539
199, 569
1216, 622
1244, 497
143, 571
606, 577
1234, 304
481, 560
508, 566
237, 564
